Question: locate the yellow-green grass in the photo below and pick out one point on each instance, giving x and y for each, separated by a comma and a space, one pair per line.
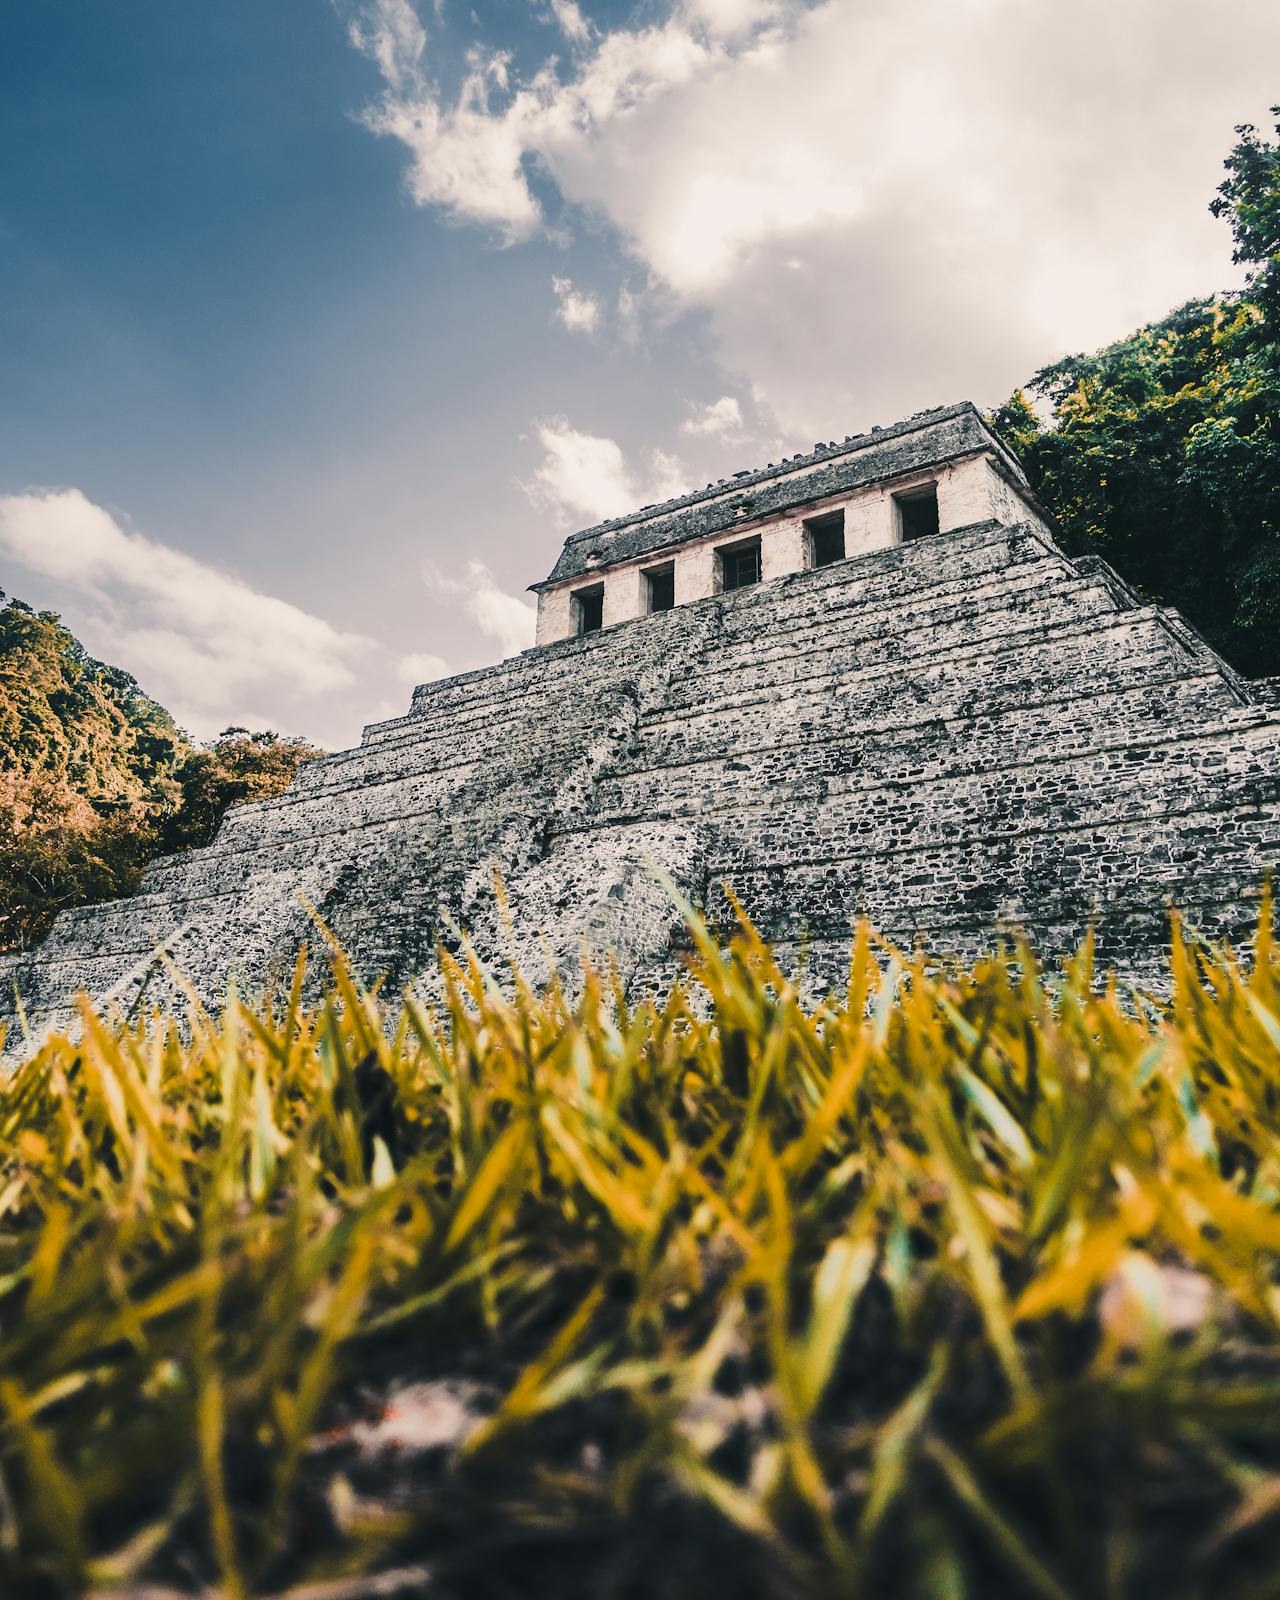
956, 1285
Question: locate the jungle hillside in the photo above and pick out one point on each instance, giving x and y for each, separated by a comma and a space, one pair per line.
96, 778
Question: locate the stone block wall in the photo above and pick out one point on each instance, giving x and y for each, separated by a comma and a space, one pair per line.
952, 448
970, 488
959, 735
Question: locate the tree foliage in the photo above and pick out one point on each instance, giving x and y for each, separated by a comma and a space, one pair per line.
96, 779
57, 851
236, 767
80, 722
1249, 199
1162, 452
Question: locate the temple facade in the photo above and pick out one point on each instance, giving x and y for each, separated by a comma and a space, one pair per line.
932, 474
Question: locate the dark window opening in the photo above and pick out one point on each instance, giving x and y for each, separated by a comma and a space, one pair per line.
588, 605
740, 566
660, 588
826, 539
918, 513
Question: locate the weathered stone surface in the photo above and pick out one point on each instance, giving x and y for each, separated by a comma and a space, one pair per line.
968, 731
923, 441
861, 483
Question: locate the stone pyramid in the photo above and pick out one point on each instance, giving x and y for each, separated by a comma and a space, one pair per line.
948, 726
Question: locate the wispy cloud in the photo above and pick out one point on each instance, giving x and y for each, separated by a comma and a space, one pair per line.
722, 419
575, 27
391, 35
467, 150
466, 156
667, 477
421, 667
503, 617
585, 477
205, 643
579, 312
581, 475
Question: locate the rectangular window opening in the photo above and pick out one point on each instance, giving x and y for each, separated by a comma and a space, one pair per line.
918, 513
588, 609
660, 588
739, 565
826, 539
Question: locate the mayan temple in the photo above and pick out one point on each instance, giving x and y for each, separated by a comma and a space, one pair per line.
861, 682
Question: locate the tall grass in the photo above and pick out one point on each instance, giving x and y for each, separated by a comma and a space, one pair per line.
959, 1285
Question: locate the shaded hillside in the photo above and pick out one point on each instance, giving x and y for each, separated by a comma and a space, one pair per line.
67, 718
96, 779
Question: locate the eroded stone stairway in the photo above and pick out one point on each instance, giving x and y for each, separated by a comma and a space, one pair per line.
946, 737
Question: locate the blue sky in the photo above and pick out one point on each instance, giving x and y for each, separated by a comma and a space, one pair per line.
321, 323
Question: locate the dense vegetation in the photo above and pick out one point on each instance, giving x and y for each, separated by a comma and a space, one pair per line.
96, 779
1162, 452
956, 1286
69, 718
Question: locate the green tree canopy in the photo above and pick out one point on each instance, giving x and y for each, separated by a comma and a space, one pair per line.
86, 724
96, 779
236, 767
1162, 452
1249, 200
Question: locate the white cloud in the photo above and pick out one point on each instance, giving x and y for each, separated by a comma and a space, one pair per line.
667, 477
629, 308
581, 475
467, 153
466, 157
876, 206
586, 478
504, 617
722, 419
421, 667
728, 18
390, 34
579, 312
572, 23
203, 642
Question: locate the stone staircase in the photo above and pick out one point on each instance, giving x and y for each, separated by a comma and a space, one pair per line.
949, 736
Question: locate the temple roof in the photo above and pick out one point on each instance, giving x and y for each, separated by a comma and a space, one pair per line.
926, 439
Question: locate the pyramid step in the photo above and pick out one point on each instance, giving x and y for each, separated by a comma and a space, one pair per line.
855, 751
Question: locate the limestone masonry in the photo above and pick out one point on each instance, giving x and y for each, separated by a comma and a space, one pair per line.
865, 681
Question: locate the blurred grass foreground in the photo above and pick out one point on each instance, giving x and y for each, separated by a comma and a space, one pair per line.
959, 1285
